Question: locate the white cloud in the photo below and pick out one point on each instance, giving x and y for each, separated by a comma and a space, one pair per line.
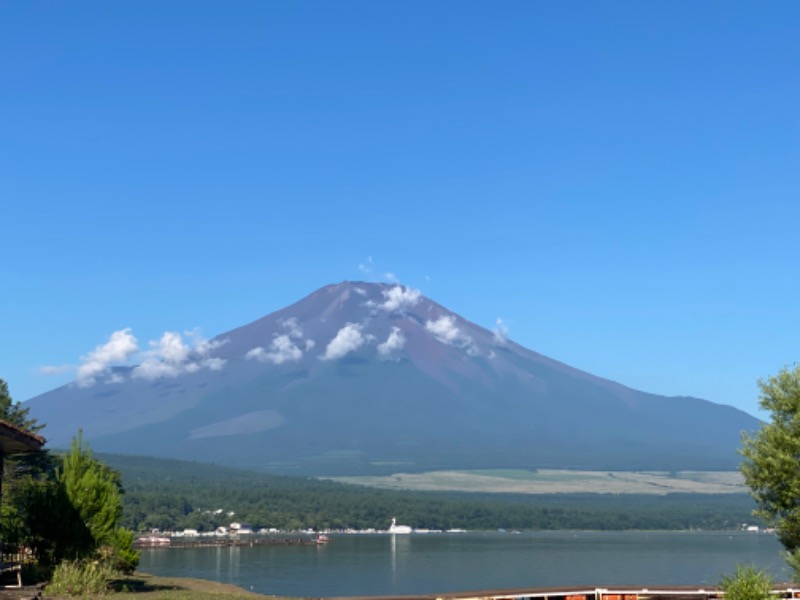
202, 346
447, 332
347, 340
292, 327
444, 329
120, 345
389, 276
171, 356
214, 364
281, 350
152, 368
56, 369
366, 269
394, 343
256, 353
500, 332
171, 348
400, 298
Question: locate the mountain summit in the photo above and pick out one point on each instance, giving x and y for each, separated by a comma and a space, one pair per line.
363, 378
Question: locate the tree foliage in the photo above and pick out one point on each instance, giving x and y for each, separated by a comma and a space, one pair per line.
93, 489
15, 413
67, 508
95, 492
747, 583
772, 457
170, 494
771, 467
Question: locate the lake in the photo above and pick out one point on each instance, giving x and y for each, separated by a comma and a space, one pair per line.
362, 565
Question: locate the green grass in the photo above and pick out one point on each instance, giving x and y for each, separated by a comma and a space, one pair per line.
141, 586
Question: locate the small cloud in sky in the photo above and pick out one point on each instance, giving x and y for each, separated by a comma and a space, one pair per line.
500, 331
292, 327
214, 364
169, 356
399, 298
366, 268
281, 350
444, 329
256, 353
202, 346
56, 369
152, 369
447, 332
389, 276
393, 344
285, 347
348, 339
171, 348
119, 347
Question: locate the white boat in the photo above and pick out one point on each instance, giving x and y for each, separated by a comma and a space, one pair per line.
395, 528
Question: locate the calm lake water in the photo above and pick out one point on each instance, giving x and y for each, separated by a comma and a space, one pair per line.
361, 565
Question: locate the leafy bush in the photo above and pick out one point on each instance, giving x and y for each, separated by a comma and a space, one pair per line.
793, 559
82, 578
747, 583
119, 553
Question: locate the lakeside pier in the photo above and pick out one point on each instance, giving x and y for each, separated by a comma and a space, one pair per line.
781, 592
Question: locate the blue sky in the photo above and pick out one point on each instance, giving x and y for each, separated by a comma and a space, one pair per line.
618, 181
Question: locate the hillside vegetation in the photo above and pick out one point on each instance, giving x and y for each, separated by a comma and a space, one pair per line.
170, 494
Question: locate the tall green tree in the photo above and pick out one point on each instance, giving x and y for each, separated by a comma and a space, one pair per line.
70, 511
15, 413
771, 466
95, 492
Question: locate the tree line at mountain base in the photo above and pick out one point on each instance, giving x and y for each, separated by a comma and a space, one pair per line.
169, 495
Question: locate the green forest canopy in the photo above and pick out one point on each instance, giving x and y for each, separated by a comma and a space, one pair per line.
170, 494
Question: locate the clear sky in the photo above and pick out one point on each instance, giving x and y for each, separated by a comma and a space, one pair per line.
618, 181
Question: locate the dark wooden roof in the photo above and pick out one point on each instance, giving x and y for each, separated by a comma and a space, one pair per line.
14, 440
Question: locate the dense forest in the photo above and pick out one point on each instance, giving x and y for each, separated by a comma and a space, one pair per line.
169, 494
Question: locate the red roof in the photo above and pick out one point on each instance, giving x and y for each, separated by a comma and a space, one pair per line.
15, 440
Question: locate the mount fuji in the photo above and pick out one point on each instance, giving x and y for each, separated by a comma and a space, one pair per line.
368, 378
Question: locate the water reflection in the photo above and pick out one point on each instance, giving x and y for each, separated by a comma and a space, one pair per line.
227, 561
400, 546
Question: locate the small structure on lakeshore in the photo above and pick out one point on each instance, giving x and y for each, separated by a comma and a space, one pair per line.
15, 440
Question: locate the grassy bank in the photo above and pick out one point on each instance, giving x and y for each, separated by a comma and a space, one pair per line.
141, 586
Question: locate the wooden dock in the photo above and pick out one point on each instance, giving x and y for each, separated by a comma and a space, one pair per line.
223, 542
782, 592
